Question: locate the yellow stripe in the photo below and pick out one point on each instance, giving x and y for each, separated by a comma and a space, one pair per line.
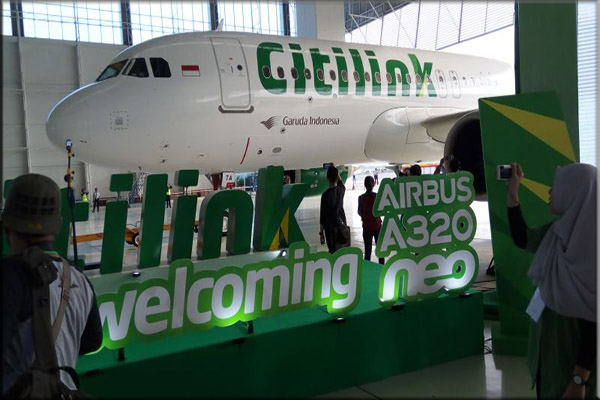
285, 225
421, 94
275, 242
284, 229
539, 189
551, 131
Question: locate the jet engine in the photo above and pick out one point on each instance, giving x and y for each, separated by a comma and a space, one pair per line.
464, 143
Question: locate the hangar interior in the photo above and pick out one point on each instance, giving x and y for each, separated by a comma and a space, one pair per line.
79, 39
53, 48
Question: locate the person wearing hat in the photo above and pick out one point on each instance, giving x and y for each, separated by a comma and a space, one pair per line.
32, 217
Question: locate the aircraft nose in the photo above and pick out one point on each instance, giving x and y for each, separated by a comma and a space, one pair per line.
68, 120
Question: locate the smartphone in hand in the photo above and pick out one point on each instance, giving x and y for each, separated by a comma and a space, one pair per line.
504, 172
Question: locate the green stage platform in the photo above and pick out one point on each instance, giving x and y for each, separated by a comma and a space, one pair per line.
298, 354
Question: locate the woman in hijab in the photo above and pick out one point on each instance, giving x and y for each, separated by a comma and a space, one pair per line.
562, 342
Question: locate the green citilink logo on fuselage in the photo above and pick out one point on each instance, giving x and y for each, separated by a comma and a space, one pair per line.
395, 75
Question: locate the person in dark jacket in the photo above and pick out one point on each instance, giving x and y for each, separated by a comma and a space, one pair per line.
562, 343
32, 217
371, 224
415, 170
332, 209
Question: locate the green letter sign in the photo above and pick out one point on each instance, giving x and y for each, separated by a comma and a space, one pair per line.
199, 300
431, 240
153, 215
181, 234
275, 224
113, 241
239, 224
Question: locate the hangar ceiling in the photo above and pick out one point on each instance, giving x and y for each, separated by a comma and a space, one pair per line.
30, 90
359, 13
427, 25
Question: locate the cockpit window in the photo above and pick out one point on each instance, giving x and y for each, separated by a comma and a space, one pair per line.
139, 68
127, 67
160, 67
112, 70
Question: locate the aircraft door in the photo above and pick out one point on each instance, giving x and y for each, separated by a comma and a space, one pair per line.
455, 84
441, 80
234, 78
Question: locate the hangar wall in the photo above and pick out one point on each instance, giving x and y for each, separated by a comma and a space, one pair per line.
321, 20
36, 74
547, 40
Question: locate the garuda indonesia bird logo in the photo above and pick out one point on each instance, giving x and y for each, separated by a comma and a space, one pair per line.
271, 122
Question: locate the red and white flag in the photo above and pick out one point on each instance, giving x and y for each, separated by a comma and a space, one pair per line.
190, 70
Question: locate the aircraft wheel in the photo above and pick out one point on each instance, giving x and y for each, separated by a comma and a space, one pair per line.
224, 228
135, 239
225, 222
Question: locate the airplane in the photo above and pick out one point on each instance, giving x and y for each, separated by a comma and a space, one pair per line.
229, 101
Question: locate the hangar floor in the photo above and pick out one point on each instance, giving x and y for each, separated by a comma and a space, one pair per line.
485, 376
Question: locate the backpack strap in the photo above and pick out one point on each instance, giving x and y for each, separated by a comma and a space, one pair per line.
45, 354
72, 373
64, 300
41, 272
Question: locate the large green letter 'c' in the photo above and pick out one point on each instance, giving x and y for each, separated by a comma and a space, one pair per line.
265, 71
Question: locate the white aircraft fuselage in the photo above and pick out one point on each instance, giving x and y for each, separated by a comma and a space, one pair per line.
225, 101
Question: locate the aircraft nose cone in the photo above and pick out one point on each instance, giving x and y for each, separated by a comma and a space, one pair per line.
68, 120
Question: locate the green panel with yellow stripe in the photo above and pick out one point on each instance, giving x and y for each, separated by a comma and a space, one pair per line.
528, 129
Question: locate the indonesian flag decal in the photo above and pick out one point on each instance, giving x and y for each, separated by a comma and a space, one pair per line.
190, 70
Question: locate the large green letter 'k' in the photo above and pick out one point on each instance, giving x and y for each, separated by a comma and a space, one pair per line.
275, 223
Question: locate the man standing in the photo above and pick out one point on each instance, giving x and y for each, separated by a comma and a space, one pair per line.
84, 195
96, 200
31, 220
332, 217
371, 224
169, 196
